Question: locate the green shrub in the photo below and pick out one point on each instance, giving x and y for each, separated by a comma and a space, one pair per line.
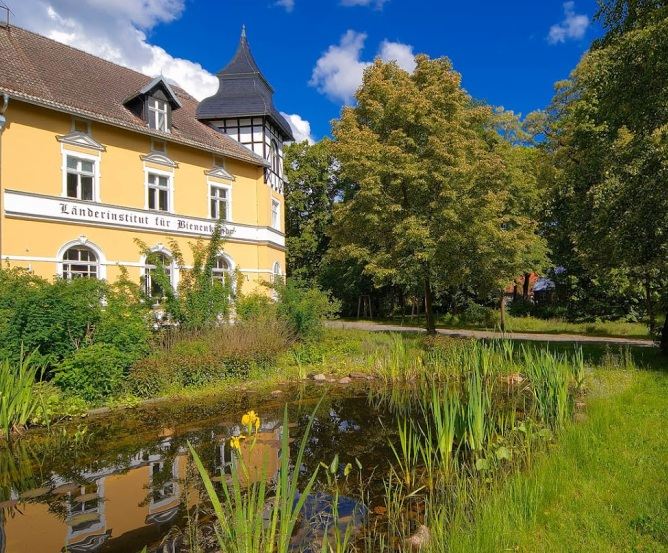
304, 308
195, 359
93, 372
479, 315
52, 319
254, 306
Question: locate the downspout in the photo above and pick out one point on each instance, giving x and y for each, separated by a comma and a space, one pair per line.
3, 124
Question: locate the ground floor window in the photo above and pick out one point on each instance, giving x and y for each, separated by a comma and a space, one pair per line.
158, 273
221, 270
80, 262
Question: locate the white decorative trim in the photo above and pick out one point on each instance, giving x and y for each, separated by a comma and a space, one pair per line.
83, 140
159, 159
271, 214
83, 241
26, 205
219, 173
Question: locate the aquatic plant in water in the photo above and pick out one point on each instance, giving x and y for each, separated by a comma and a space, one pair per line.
19, 402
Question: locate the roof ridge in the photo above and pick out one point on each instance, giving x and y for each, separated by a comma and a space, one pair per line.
88, 54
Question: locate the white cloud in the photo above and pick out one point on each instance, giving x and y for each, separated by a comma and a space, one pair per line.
399, 52
574, 26
117, 31
301, 128
338, 72
378, 4
289, 5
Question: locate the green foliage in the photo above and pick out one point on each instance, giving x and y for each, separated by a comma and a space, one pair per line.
313, 186
203, 300
227, 351
19, 403
303, 308
249, 516
476, 314
256, 305
608, 140
94, 372
52, 319
124, 322
435, 175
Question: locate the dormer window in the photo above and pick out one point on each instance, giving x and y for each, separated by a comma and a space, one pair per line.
158, 114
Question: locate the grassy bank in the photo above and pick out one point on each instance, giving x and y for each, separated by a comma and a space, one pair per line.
612, 329
603, 487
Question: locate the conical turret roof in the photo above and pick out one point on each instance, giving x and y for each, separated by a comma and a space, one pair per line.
243, 92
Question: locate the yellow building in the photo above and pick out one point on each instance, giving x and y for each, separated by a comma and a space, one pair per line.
94, 155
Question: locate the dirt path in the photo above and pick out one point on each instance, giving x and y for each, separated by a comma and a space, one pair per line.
464, 333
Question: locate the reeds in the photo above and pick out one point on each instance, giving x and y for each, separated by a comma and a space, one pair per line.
253, 517
19, 402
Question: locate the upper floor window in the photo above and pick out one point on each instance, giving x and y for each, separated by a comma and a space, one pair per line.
276, 214
80, 178
219, 200
80, 262
157, 114
274, 158
158, 191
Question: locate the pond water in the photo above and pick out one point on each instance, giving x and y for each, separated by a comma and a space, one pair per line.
122, 482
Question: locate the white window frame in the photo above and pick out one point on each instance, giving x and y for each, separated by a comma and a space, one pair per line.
275, 224
228, 190
170, 189
96, 173
82, 242
146, 270
154, 110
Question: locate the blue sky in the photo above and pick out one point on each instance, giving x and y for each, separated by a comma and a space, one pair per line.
313, 51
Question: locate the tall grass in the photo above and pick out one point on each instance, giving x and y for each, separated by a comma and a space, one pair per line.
19, 401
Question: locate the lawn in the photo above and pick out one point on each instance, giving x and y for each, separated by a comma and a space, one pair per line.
615, 329
603, 487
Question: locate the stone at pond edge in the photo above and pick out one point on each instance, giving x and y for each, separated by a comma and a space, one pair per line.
360, 375
345, 380
512, 379
276, 393
419, 540
319, 377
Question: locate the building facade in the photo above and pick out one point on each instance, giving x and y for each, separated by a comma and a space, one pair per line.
95, 157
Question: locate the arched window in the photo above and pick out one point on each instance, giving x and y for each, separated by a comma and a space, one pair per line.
276, 276
156, 263
274, 158
221, 269
80, 262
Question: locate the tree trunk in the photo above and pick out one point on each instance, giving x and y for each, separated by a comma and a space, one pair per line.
525, 286
428, 312
664, 336
502, 312
651, 317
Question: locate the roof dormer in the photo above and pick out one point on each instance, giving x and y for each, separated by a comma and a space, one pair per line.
154, 104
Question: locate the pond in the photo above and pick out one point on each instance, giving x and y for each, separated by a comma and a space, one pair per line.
422, 443
124, 482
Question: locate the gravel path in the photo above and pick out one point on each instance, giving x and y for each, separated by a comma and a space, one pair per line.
463, 333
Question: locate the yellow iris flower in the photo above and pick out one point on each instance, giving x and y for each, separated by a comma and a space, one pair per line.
250, 420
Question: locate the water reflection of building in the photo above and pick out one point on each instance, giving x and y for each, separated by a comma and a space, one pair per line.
122, 505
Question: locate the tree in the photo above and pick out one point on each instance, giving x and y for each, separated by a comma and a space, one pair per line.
609, 139
313, 186
431, 207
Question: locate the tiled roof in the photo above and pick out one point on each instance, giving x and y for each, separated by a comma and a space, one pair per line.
243, 91
42, 71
